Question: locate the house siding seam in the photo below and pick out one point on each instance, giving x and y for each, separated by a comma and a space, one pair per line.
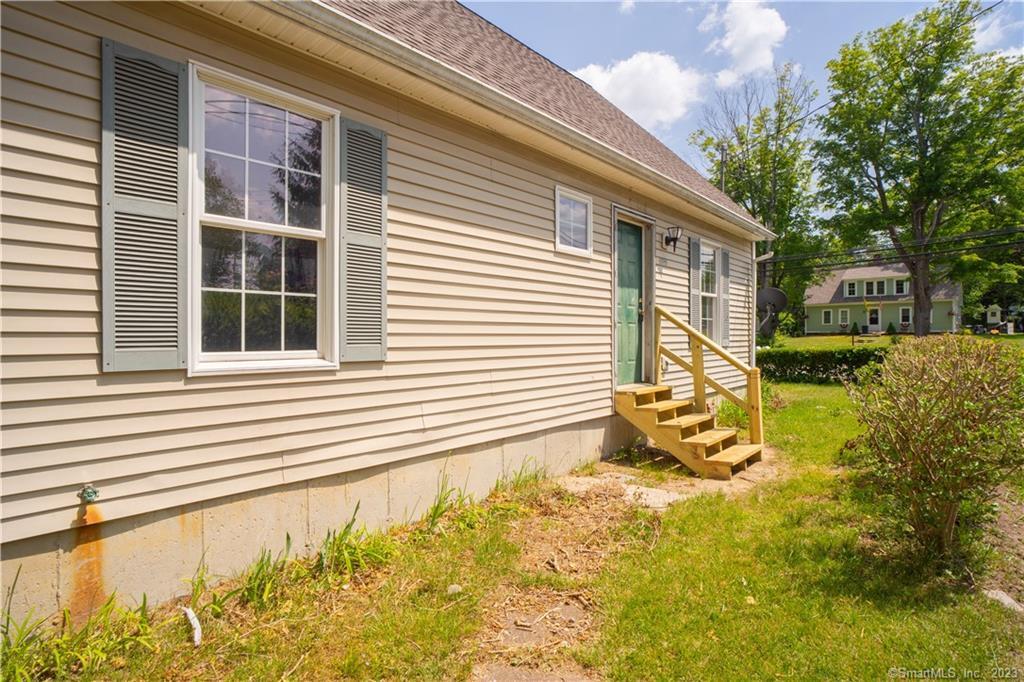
491, 333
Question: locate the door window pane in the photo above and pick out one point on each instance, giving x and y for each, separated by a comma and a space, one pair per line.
222, 321
262, 322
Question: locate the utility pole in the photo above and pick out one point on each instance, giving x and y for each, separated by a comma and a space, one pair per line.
724, 153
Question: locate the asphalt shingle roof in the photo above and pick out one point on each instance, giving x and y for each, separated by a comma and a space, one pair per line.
466, 42
830, 289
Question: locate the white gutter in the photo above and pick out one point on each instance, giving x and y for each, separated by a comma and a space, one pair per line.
353, 32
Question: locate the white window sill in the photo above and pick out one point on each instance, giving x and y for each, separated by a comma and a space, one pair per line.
573, 251
260, 366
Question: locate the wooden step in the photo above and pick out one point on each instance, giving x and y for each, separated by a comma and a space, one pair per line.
734, 454
664, 405
709, 437
687, 420
642, 389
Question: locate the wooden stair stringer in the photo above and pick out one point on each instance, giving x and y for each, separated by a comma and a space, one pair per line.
710, 453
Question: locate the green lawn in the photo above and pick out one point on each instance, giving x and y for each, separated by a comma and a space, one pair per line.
825, 342
777, 583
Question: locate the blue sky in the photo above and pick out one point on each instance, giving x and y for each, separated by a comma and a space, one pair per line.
659, 61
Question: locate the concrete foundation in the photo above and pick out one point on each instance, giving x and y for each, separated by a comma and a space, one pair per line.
155, 554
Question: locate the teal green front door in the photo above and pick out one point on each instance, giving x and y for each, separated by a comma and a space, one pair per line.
629, 303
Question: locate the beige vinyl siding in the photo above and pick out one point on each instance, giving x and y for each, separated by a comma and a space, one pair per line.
673, 286
491, 333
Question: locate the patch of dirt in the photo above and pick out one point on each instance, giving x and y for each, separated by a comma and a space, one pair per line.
1008, 539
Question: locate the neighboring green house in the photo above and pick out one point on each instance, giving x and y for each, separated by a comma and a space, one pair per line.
871, 297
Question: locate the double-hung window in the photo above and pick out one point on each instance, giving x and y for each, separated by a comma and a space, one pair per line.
905, 315
901, 287
844, 316
265, 229
851, 289
826, 317
708, 290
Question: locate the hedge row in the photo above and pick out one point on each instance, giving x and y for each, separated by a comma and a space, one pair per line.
815, 366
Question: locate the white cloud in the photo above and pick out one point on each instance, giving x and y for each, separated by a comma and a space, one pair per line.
1012, 52
990, 30
627, 6
650, 87
750, 34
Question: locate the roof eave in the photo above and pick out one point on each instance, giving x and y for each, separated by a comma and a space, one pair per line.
381, 45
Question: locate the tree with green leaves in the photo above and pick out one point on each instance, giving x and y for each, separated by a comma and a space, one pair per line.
924, 140
763, 127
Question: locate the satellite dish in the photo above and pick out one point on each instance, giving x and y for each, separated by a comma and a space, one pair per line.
769, 302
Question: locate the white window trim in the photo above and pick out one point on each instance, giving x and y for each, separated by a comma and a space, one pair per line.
844, 312
846, 290
578, 196
716, 308
328, 266
897, 288
910, 314
829, 311
880, 287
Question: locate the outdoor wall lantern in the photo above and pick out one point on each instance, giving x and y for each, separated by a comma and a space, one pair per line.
672, 236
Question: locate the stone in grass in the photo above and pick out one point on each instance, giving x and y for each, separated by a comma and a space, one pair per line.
1004, 599
454, 588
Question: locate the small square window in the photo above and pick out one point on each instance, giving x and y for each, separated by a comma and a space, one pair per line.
826, 317
901, 286
573, 222
851, 289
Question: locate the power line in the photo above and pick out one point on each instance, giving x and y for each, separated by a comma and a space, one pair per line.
893, 260
997, 232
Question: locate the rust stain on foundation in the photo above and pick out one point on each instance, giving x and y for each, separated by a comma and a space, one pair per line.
87, 590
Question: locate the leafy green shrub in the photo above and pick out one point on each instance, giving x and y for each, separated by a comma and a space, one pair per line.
854, 329
891, 329
814, 365
944, 420
733, 416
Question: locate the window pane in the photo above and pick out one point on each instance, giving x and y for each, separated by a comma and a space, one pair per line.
303, 200
709, 271
266, 193
222, 258
262, 322
299, 323
565, 221
266, 133
707, 315
222, 321
225, 121
304, 142
300, 266
224, 180
262, 262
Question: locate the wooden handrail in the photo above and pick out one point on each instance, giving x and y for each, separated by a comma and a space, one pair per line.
698, 341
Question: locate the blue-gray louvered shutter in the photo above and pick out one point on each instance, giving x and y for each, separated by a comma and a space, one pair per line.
144, 140
363, 243
695, 283
723, 297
